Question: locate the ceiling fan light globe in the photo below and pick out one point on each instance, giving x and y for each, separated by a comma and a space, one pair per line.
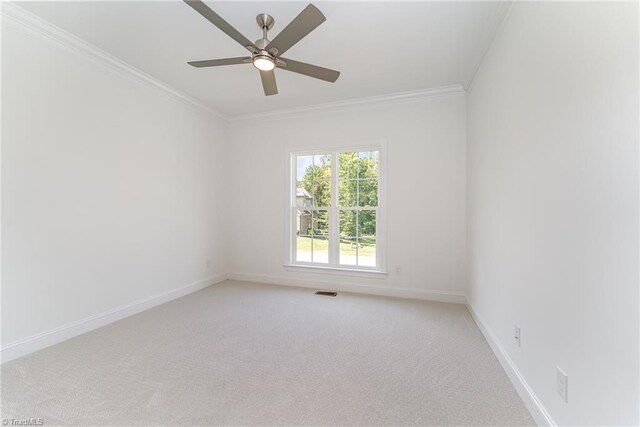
264, 64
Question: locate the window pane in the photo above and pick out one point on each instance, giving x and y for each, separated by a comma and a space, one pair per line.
366, 238
348, 240
303, 198
303, 222
366, 223
348, 223
347, 193
322, 160
320, 252
321, 192
348, 250
367, 192
347, 186
304, 180
360, 251
303, 165
348, 166
367, 252
303, 235
303, 249
367, 164
320, 236
322, 180
320, 223
313, 180
312, 240
358, 179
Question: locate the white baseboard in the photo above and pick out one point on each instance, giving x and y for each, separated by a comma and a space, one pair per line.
355, 288
531, 401
62, 333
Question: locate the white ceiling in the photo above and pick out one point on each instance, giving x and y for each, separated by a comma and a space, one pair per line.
379, 47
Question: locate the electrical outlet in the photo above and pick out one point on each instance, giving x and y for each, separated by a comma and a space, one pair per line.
562, 384
397, 270
208, 263
516, 334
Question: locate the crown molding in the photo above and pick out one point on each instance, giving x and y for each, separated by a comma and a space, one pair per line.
354, 104
60, 37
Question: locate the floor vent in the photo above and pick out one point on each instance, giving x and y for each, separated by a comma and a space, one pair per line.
327, 294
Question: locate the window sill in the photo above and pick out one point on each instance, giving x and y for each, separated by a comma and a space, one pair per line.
335, 270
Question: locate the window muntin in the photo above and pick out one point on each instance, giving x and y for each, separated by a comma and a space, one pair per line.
336, 214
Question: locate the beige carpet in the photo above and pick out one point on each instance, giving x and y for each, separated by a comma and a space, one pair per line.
240, 353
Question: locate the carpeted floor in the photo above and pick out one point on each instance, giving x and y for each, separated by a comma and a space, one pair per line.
241, 353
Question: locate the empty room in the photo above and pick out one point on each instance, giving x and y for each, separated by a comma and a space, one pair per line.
371, 213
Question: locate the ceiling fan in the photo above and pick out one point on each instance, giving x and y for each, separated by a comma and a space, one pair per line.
265, 53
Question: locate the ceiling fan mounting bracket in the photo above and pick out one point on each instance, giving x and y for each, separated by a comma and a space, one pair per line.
265, 20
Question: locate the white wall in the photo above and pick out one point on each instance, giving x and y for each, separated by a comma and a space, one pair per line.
553, 203
426, 195
112, 190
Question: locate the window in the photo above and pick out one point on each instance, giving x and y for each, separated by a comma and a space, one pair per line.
335, 202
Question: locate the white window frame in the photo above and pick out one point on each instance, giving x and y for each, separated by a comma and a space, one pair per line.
334, 209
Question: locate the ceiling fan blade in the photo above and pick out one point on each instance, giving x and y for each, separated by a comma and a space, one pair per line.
309, 70
297, 29
218, 62
269, 82
217, 20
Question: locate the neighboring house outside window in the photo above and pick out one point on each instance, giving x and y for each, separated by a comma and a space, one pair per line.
303, 199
